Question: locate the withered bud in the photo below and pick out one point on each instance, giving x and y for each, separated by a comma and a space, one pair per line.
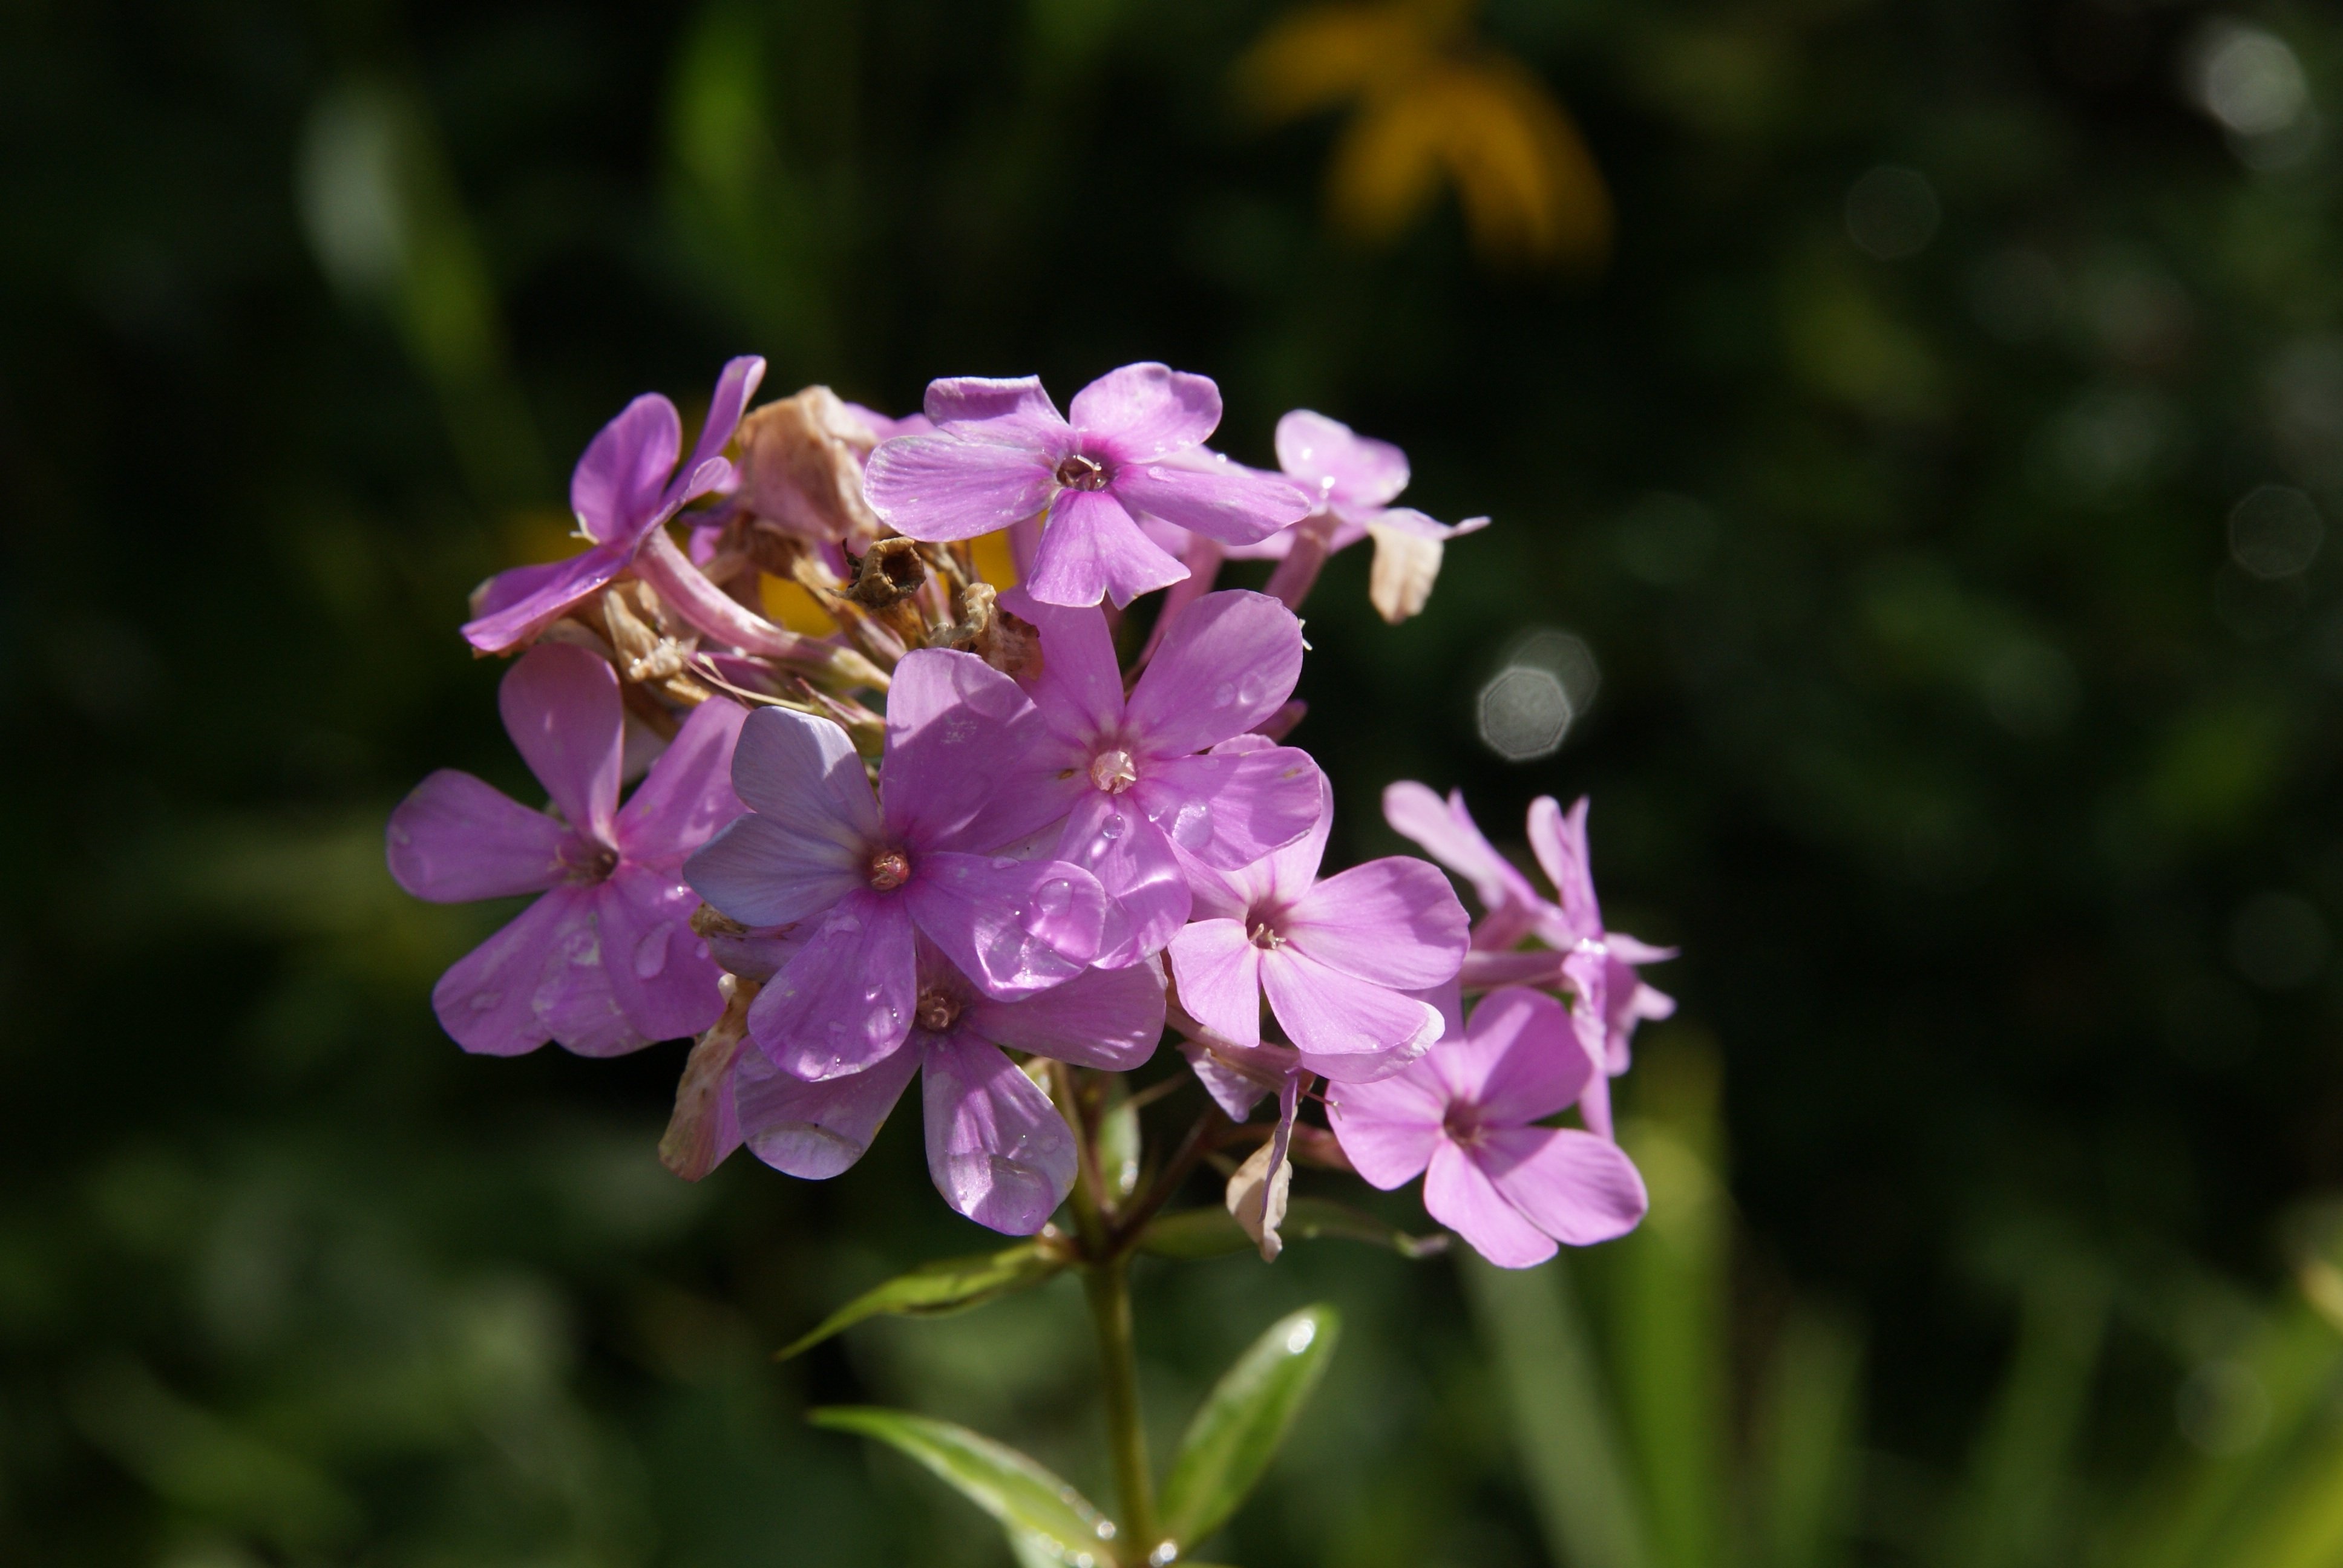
1005, 640
801, 465
689, 1149
707, 922
891, 572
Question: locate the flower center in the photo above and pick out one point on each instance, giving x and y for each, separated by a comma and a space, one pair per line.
590, 862
937, 1011
1264, 935
1081, 473
889, 870
1113, 771
1461, 1124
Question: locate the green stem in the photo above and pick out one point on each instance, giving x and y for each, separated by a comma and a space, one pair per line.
1108, 1285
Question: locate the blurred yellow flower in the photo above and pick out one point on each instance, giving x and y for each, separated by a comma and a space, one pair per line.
1432, 100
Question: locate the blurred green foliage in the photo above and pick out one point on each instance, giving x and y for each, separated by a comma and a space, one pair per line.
1950, 714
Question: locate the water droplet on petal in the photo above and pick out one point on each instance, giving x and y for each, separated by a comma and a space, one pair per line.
1191, 824
650, 953
1002, 862
1054, 897
1113, 827
1224, 694
485, 1001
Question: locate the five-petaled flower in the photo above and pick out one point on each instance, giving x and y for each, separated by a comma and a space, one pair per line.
859, 874
624, 490
1138, 774
606, 961
1002, 454
1466, 1119
998, 1150
1337, 959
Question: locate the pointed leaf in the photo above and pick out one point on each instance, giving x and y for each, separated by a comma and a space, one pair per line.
934, 1290
1233, 1437
1193, 1235
1048, 1520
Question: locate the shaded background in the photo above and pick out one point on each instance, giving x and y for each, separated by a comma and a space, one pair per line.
1966, 709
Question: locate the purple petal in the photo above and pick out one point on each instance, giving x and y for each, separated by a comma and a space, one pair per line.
1229, 661
953, 720
1518, 1062
1459, 1194
1233, 505
953, 401
1012, 927
1446, 831
1388, 1128
735, 385
1219, 972
561, 708
616, 486
1080, 692
1486, 969
1108, 837
1230, 811
658, 968
845, 999
1143, 412
455, 839
803, 772
1091, 550
1575, 1187
1395, 920
1329, 1013
760, 873
518, 610
538, 978
758, 954
688, 794
1559, 844
945, 486
816, 1129
1107, 1019
998, 1150
1332, 462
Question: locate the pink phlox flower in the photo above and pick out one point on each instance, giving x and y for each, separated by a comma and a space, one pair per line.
1134, 776
625, 488
863, 873
1465, 1117
1336, 959
1352, 480
606, 961
1599, 964
998, 1149
1002, 454
1446, 831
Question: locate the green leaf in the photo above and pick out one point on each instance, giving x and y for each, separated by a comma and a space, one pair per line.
1048, 1520
1236, 1433
933, 1290
1198, 1233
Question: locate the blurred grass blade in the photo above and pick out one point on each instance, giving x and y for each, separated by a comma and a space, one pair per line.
1563, 1429
2192, 1515
1043, 1515
1668, 1287
2024, 1460
1803, 1453
1236, 1433
1196, 1233
932, 1290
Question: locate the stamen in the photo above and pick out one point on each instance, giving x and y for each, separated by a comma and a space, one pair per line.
1264, 936
889, 870
590, 862
1081, 473
1113, 771
937, 1011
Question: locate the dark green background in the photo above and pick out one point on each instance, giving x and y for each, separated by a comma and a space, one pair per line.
1942, 738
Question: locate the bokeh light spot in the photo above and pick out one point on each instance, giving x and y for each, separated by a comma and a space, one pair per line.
2277, 940
1892, 212
2275, 532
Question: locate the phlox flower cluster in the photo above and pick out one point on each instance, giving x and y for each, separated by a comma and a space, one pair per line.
985, 833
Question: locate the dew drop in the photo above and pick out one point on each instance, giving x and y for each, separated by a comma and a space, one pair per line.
1224, 694
484, 1000
1113, 827
1002, 862
1055, 897
1191, 824
650, 953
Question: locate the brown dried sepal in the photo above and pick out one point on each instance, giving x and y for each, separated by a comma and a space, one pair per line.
1003, 638
889, 574
690, 1147
801, 465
